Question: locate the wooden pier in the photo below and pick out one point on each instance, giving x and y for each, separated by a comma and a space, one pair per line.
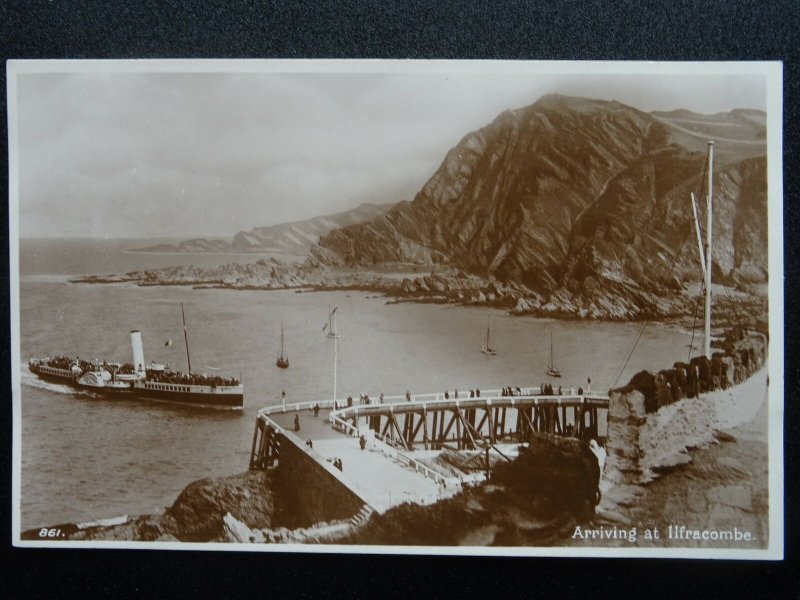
471, 423
265, 449
434, 422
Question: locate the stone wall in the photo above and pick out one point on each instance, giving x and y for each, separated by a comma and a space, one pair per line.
655, 418
308, 489
736, 358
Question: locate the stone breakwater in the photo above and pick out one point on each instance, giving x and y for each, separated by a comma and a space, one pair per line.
657, 418
446, 284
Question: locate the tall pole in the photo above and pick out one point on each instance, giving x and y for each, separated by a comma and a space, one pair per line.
335, 363
709, 221
186, 339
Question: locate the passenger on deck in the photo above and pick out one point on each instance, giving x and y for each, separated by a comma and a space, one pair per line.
381, 397
316, 409
472, 393
408, 395
349, 401
560, 391
309, 443
296, 423
477, 393
455, 395
580, 391
446, 395
362, 442
589, 385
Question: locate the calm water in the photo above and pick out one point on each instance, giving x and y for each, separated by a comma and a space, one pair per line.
85, 458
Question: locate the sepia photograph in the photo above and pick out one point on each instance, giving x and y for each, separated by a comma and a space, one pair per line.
518, 308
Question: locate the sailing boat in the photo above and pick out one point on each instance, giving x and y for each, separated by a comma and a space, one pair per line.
551, 369
487, 348
330, 327
283, 360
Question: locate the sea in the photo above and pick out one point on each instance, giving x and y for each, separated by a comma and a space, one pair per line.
85, 458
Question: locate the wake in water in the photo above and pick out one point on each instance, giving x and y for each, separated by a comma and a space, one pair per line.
31, 380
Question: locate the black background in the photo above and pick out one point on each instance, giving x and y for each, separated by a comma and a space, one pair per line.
555, 29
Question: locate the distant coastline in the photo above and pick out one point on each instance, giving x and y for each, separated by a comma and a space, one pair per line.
444, 285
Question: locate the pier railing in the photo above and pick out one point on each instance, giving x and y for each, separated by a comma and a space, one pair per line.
341, 403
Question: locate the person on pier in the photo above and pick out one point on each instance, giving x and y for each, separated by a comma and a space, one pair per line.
316, 409
296, 423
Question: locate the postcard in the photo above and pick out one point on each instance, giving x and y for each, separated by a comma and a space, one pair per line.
513, 308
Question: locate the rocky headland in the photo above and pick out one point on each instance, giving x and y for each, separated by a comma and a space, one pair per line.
569, 207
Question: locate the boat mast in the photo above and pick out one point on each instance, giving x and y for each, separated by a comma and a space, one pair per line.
335, 361
186, 338
551, 350
488, 347
709, 206
281, 339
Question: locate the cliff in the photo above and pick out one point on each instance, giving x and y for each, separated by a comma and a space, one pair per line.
585, 203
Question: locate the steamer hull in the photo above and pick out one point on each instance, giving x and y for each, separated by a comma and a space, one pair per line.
227, 397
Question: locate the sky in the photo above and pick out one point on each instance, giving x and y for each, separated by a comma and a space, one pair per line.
182, 155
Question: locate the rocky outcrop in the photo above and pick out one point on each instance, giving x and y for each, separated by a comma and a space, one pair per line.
584, 203
198, 514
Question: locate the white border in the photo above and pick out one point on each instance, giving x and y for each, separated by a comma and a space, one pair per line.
773, 72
